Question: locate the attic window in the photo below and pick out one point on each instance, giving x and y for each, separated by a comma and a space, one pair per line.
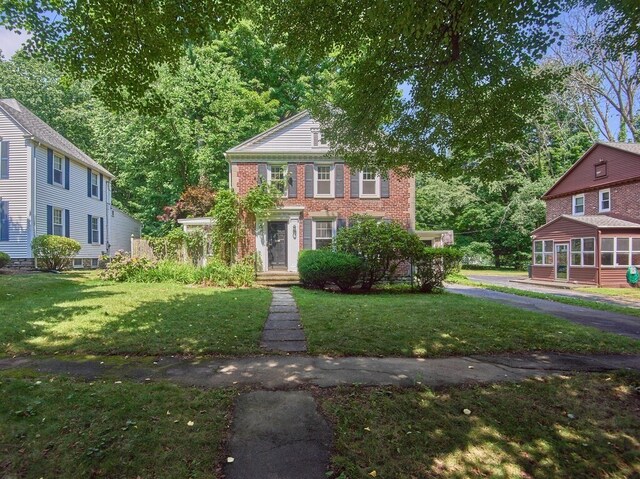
317, 139
601, 170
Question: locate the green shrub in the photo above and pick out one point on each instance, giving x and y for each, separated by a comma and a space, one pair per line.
121, 267
317, 268
54, 253
382, 246
433, 265
5, 259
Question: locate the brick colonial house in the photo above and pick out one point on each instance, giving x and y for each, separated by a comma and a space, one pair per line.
320, 193
592, 234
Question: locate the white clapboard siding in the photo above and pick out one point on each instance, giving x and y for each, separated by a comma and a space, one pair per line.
121, 228
75, 200
294, 137
15, 189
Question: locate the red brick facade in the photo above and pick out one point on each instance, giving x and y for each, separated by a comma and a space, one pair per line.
625, 203
399, 206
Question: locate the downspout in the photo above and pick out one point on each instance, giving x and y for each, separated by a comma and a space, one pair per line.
33, 178
598, 257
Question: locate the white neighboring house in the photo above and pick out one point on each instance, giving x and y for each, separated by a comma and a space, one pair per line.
49, 186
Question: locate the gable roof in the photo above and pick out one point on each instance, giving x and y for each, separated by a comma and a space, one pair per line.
283, 124
43, 133
599, 221
633, 148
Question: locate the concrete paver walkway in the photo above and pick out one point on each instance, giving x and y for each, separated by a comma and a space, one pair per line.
291, 372
283, 330
605, 320
278, 435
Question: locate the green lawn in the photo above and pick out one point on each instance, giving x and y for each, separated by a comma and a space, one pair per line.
56, 427
623, 293
422, 325
494, 272
76, 313
585, 426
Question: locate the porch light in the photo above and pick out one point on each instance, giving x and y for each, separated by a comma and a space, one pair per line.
295, 232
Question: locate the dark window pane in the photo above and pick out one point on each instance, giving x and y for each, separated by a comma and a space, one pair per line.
635, 244
576, 258
538, 258
589, 244
537, 246
589, 259
576, 245
606, 244
635, 259
606, 259
623, 244
622, 259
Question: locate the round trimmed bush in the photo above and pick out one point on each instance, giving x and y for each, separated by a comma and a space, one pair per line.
317, 268
5, 259
54, 253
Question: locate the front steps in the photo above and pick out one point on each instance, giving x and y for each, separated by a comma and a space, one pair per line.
278, 278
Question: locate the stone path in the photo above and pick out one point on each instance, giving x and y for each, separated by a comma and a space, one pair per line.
277, 434
283, 330
605, 320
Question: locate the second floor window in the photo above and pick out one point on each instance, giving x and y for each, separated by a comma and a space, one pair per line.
278, 177
369, 184
324, 181
605, 201
58, 225
95, 230
94, 185
578, 205
57, 169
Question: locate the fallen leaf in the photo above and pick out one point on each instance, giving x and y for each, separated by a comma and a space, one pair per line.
466, 411
230, 459
373, 473
190, 423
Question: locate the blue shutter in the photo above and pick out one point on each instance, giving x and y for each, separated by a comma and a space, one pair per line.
101, 187
67, 225
4, 220
89, 182
49, 219
50, 166
90, 238
4, 160
101, 230
66, 173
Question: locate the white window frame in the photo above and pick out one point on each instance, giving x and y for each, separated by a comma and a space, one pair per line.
314, 229
600, 194
573, 205
332, 181
95, 185
78, 263
361, 184
95, 262
61, 170
317, 139
60, 225
544, 252
95, 232
631, 252
285, 166
582, 252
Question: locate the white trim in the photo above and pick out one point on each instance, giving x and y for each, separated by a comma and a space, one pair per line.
555, 259
61, 170
313, 230
600, 193
203, 221
582, 252
361, 183
332, 181
97, 184
285, 193
320, 136
97, 220
544, 252
75, 266
53, 221
630, 251
573, 204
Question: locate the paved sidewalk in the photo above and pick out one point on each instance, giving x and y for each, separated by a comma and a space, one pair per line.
604, 320
291, 372
283, 330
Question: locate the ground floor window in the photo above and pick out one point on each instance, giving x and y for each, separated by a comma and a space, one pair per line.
94, 262
95, 230
58, 226
583, 251
323, 237
620, 251
543, 252
77, 263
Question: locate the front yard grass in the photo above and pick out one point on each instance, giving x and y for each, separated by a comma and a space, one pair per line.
57, 427
76, 313
585, 426
622, 293
419, 325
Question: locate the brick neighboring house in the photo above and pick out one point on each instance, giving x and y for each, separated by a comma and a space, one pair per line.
592, 234
320, 193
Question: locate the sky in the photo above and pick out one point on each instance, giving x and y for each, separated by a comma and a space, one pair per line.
10, 42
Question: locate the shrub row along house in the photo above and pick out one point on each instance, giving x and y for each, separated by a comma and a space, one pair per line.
592, 234
49, 186
320, 193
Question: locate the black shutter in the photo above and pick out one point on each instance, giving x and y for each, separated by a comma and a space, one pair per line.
89, 182
66, 173
4, 219
355, 184
49, 219
50, 166
101, 187
292, 172
4, 160
67, 225
339, 180
262, 173
306, 235
308, 181
384, 187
